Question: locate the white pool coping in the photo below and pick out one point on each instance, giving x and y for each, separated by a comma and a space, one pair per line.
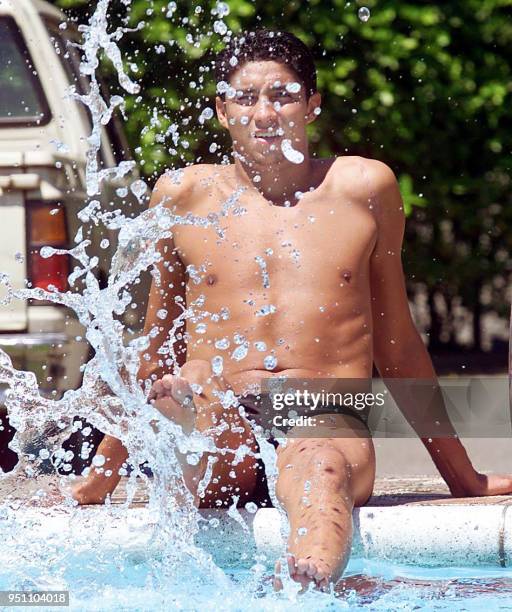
443, 535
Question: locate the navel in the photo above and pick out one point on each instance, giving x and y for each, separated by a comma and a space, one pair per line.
211, 279
347, 275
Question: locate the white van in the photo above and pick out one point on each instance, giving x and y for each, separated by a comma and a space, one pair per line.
42, 187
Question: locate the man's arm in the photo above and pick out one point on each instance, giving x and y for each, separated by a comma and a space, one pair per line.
399, 351
162, 296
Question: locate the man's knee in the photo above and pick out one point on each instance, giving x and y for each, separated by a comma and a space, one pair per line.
320, 462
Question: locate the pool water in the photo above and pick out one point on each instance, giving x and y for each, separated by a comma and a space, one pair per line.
118, 579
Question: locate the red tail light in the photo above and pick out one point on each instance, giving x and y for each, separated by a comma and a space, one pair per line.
47, 227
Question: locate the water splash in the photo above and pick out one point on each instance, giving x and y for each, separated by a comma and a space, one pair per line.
110, 397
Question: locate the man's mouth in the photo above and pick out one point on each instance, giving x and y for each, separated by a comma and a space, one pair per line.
268, 137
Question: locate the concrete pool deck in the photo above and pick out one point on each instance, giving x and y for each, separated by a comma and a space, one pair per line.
408, 520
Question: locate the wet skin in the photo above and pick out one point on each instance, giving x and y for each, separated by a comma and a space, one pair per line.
336, 281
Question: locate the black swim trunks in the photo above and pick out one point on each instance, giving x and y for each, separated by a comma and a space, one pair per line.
261, 410
257, 410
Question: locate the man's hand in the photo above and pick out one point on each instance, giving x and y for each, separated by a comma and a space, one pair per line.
490, 484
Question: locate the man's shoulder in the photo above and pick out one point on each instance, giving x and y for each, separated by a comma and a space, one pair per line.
366, 174
179, 184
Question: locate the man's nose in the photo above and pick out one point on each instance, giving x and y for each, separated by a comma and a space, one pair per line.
264, 113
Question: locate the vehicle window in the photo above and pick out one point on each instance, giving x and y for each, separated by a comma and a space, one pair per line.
22, 100
70, 59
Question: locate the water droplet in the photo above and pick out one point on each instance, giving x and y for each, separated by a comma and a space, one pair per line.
222, 9
260, 346
193, 459
291, 154
217, 365
220, 27
98, 460
44, 453
240, 352
104, 243
251, 507
293, 87
364, 14
201, 328
265, 310
222, 344
270, 362
46, 252
162, 314
302, 531
138, 188
19, 257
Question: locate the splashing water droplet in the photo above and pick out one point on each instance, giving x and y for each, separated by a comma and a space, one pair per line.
217, 365
138, 188
46, 252
222, 9
364, 14
293, 87
291, 154
98, 460
240, 352
266, 310
270, 362
222, 344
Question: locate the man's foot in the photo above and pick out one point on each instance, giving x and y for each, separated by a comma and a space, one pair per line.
173, 397
310, 570
86, 492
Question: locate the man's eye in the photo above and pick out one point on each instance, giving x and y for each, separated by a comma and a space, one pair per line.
284, 95
246, 99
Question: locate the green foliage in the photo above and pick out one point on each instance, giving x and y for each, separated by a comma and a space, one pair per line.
424, 87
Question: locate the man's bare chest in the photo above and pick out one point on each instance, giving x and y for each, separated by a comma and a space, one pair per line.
260, 246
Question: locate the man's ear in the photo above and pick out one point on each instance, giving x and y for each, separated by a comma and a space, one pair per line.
220, 107
313, 102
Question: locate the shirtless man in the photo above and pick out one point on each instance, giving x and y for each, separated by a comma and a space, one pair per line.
336, 281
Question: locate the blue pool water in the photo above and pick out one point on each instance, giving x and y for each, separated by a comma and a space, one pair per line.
118, 580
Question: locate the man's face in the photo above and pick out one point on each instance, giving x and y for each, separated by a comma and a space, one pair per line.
266, 105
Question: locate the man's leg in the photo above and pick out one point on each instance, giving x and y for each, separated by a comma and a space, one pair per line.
227, 430
320, 481
226, 479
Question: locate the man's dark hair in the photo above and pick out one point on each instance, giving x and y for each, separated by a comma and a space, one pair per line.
263, 44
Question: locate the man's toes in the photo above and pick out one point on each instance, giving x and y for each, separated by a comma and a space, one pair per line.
277, 582
302, 567
312, 570
322, 576
292, 564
